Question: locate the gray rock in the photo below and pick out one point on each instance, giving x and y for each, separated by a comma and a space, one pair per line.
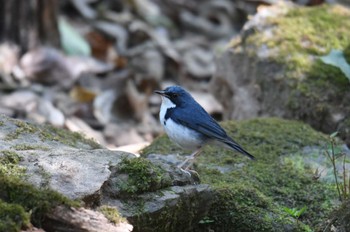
234, 86
73, 173
340, 219
63, 219
149, 192
178, 208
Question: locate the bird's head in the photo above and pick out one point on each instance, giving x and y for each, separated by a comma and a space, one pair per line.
175, 94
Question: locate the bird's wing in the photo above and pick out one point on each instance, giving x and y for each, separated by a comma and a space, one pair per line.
202, 123
207, 126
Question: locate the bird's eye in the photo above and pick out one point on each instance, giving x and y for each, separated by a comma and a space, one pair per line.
175, 95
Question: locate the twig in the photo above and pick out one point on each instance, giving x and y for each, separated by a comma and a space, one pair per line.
332, 158
344, 179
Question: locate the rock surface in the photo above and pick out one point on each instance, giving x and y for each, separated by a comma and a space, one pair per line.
38, 164
65, 163
72, 171
62, 219
340, 220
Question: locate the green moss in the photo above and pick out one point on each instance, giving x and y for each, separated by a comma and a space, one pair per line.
136, 207
22, 128
13, 217
45, 177
10, 157
112, 214
26, 147
228, 204
298, 48
294, 41
323, 28
35, 201
251, 194
177, 215
282, 182
162, 145
50, 133
21, 201
1, 123
347, 53
143, 176
9, 164
246, 209
339, 220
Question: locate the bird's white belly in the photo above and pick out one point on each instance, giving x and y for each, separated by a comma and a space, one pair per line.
181, 135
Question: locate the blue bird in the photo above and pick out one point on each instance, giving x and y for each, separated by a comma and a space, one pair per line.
189, 125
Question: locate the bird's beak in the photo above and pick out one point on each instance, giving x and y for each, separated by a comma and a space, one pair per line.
160, 92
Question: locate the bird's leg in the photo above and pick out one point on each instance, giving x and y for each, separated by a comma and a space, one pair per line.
190, 159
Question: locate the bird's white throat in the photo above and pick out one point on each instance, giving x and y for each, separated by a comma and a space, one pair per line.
166, 104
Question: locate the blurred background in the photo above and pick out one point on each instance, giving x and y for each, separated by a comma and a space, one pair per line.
92, 65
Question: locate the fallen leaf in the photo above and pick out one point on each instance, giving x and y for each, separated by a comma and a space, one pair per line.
82, 94
337, 59
72, 42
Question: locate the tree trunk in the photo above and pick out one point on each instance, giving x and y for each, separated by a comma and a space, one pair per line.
29, 23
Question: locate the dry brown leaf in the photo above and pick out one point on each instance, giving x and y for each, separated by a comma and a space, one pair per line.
82, 94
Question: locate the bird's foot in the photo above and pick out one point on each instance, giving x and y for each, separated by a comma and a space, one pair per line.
185, 171
192, 174
183, 165
189, 160
185, 168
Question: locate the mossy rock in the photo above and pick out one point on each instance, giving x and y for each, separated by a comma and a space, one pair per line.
254, 195
22, 204
274, 69
9, 164
26, 204
339, 220
175, 208
13, 217
112, 214
142, 176
44, 133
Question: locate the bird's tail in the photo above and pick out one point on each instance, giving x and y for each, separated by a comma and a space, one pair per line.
235, 146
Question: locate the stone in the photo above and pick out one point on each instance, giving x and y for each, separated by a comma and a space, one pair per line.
46, 166
72, 171
339, 220
63, 219
59, 166
180, 208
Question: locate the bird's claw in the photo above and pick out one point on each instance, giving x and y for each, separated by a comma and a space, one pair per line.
194, 176
185, 171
